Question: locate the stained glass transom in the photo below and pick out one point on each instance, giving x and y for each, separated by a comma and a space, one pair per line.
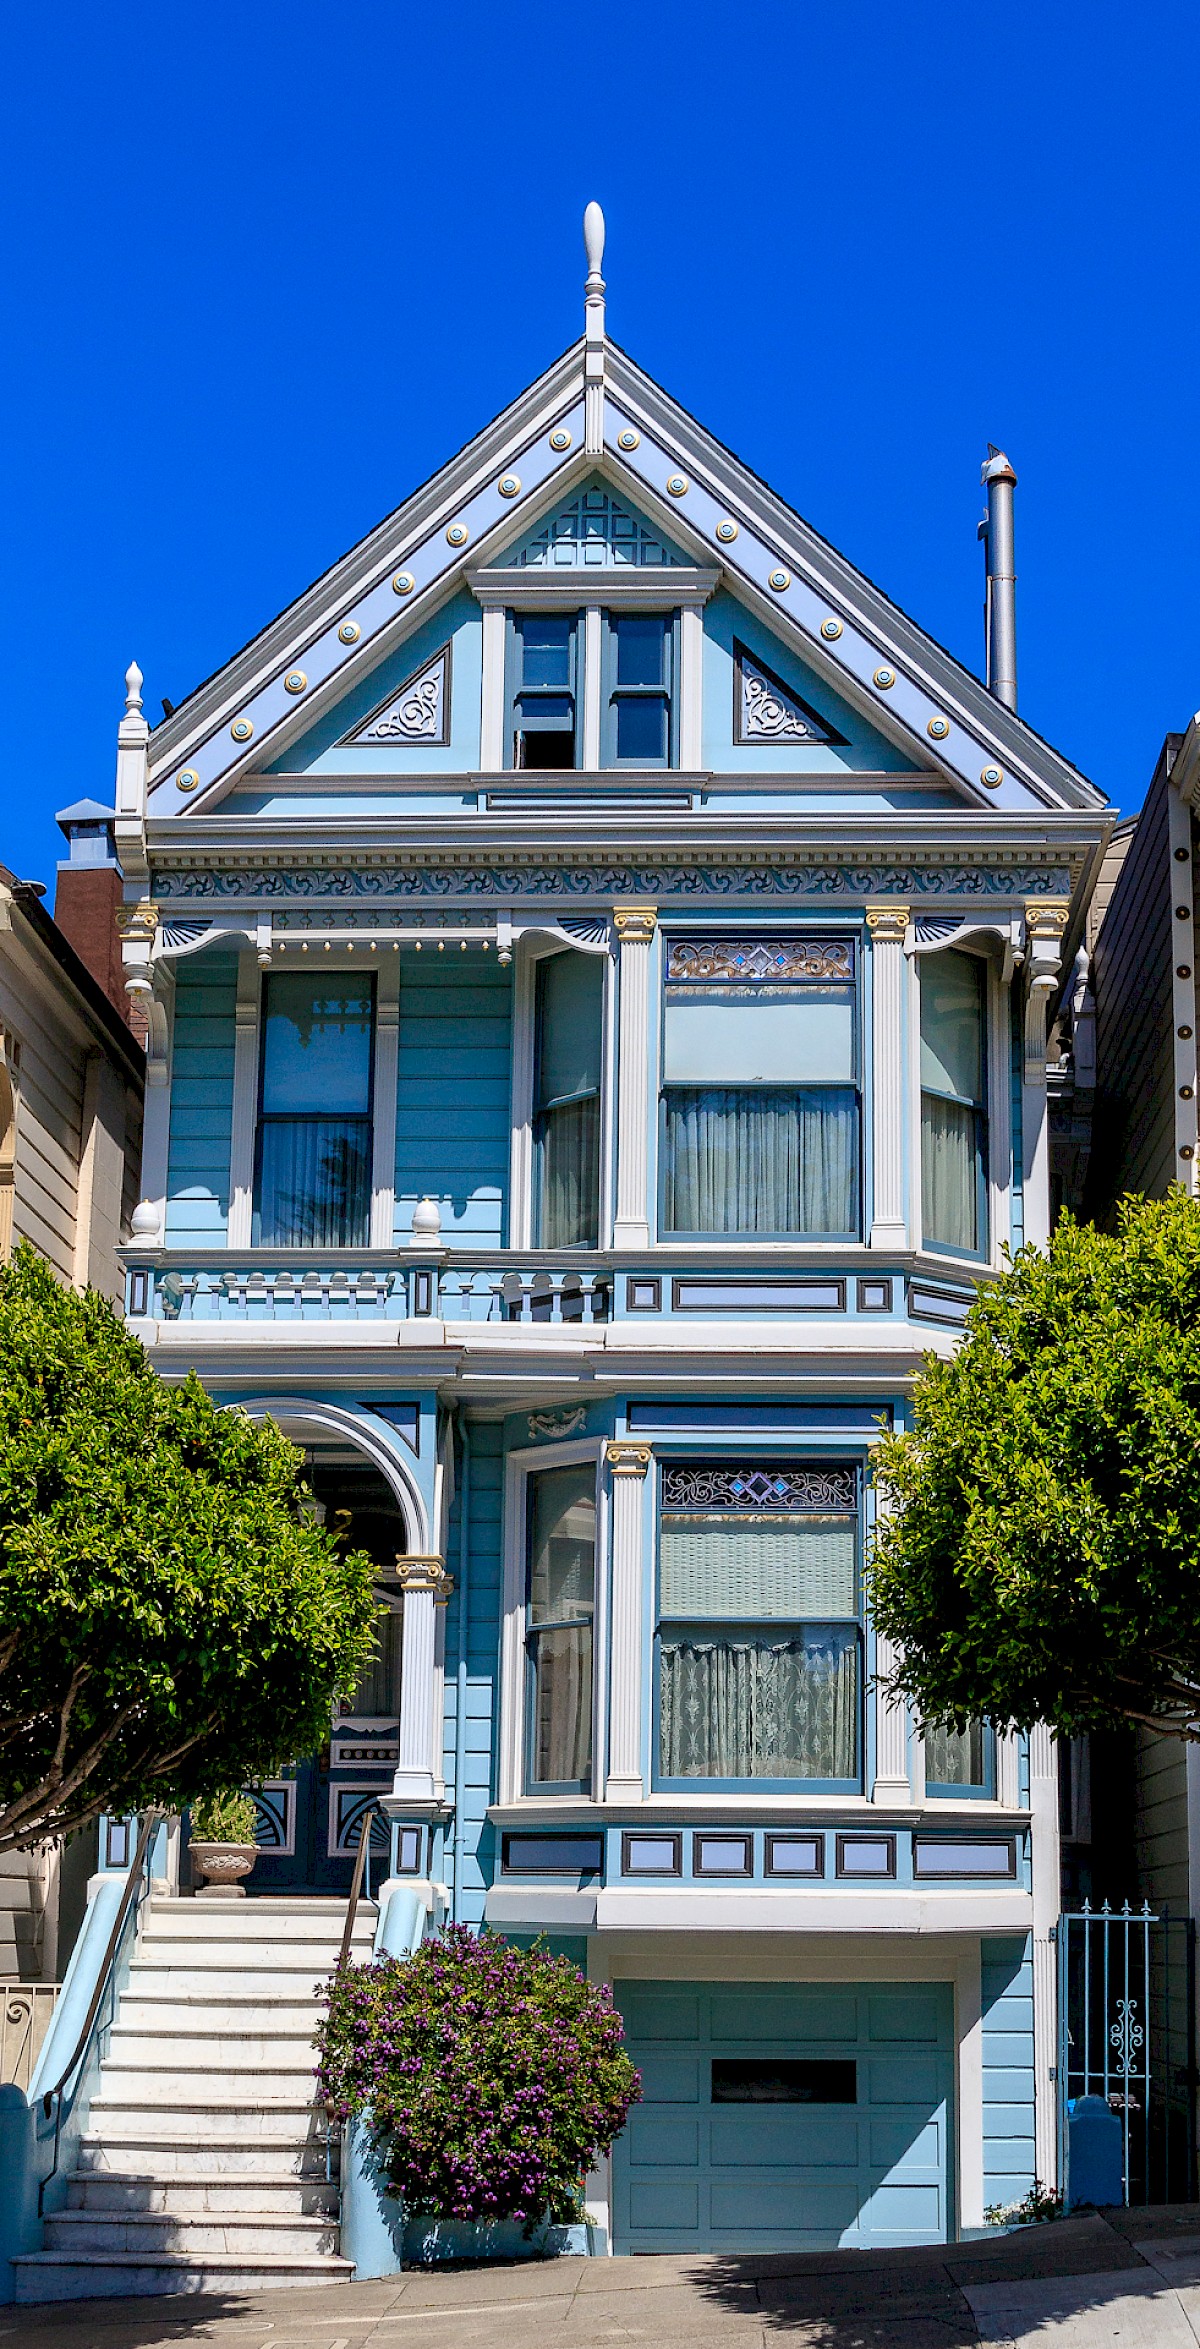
781, 961
758, 1487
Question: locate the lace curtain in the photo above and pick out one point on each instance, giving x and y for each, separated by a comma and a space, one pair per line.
761, 1159
760, 1705
568, 1160
562, 1706
949, 1173
956, 1757
314, 1188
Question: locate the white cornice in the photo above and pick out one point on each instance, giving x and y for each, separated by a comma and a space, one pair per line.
655, 584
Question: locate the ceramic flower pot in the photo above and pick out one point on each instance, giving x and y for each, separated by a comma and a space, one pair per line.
224, 1864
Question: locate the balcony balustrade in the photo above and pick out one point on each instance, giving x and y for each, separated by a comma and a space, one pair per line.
339, 1287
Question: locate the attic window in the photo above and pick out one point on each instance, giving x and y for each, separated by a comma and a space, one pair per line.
545, 698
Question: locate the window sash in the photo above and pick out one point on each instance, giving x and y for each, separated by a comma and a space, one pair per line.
535, 707
560, 1602
960, 1761
771, 1159
769, 1705
621, 694
313, 1182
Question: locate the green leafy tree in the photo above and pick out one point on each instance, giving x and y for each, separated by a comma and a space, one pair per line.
1041, 1557
172, 1619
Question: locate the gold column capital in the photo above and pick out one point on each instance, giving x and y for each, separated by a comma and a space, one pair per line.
415, 1573
1046, 917
887, 922
626, 1459
635, 924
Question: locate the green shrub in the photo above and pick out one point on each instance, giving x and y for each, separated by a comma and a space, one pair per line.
223, 1818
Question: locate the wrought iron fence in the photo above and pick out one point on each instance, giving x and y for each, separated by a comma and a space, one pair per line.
25, 2011
1127, 2033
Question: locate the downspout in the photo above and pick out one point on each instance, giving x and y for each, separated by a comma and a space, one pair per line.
460, 1699
1000, 608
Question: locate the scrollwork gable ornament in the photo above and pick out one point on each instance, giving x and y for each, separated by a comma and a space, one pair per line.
767, 710
419, 713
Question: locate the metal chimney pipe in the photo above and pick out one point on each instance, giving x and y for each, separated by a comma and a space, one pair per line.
1000, 609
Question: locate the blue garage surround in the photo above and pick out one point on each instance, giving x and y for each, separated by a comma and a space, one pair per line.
694, 2174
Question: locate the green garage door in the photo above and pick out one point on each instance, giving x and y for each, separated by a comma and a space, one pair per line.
780, 2117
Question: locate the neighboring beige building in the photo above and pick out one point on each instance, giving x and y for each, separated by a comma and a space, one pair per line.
71, 1081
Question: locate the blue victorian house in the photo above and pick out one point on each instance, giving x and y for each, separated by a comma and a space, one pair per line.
596, 952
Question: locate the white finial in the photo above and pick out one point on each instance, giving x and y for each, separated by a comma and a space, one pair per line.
593, 245
133, 687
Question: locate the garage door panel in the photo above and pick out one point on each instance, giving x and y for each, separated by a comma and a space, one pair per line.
747, 2210
669, 2205
671, 2079
903, 2214
654, 2011
665, 2140
774, 2140
893, 2146
911, 2016
776, 2014
903, 2079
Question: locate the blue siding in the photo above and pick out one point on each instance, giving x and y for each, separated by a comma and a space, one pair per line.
201, 1102
1008, 2140
483, 1660
321, 750
864, 750
452, 1103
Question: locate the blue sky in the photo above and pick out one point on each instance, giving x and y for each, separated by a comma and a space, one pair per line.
267, 267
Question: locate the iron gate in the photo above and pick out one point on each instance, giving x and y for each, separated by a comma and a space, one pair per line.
1127, 2033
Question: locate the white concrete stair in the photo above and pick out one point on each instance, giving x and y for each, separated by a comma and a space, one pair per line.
203, 2166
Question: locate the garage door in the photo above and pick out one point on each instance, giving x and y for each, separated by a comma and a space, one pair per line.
778, 2117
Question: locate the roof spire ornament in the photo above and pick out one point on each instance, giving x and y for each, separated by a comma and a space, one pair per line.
593, 331
133, 688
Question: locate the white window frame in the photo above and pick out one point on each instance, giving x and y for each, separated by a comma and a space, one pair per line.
520, 1466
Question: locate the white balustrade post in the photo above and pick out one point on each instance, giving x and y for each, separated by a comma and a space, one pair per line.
627, 1467
635, 926
426, 1587
889, 1094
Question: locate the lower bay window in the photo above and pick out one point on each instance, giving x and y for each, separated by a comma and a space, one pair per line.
759, 1650
953, 1138
313, 1173
960, 1761
560, 1606
760, 1111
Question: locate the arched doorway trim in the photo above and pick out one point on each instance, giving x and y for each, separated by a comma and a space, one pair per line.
367, 1438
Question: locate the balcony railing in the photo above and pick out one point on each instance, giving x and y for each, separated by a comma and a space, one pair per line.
353, 1289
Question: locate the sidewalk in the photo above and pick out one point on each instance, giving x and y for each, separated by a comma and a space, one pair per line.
1128, 2280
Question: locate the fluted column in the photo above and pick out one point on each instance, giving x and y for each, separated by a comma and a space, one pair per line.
627, 1467
426, 1587
635, 926
891, 1784
889, 1096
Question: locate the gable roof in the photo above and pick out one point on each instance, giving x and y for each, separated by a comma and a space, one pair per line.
488, 504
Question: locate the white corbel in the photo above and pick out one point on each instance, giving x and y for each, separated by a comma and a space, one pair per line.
1045, 923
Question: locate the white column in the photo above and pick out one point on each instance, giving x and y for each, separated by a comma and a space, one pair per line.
889, 1097
1008, 1768
1043, 1805
627, 1466
426, 1586
691, 688
635, 925
491, 729
1045, 921
245, 1099
383, 1140
892, 1783
593, 671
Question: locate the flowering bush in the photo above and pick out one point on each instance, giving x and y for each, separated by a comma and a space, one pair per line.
490, 2076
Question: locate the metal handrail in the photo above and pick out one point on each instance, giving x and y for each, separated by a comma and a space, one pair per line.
360, 1861
54, 2095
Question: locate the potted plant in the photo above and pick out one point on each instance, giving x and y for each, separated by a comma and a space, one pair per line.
222, 1844
489, 2079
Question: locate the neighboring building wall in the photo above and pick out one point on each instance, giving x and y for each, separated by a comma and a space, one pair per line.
1134, 1133
1008, 2101
1161, 1821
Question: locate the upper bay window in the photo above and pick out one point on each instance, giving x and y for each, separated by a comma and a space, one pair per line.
640, 701
569, 998
560, 1604
759, 1673
546, 700
760, 1126
313, 1176
953, 1135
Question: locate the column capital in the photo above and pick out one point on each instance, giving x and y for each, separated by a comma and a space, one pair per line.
635, 924
416, 1573
887, 922
625, 1459
138, 921
1046, 917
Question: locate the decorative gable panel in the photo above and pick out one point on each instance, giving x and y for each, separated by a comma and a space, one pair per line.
596, 529
767, 710
418, 713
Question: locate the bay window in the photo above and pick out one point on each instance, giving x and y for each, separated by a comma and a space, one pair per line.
760, 1111
568, 1017
759, 1663
560, 1604
953, 1138
960, 1761
313, 1174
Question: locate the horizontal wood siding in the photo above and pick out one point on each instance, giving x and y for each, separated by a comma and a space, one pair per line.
1161, 1821
453, 1094
1134, 1126
201, 1102
1007, 2003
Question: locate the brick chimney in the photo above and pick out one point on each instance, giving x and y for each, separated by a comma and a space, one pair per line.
88, 891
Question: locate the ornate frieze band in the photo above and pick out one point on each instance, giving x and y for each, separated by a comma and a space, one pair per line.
784, 960
758, 1487
627, 1459
369, 880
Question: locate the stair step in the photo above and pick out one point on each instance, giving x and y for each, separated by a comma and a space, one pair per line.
273, 1922
216, 2113
247, 2233
54, 2275
235, 2052
281, 2018
267, 2191
129, 2147
196, 2084
248, 1978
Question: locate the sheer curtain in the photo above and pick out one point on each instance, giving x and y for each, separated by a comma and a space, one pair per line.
957, 1757
760, 1705
314, 1182
949, 1173
568, 1154
562, 1576
761, 1159
562, 1705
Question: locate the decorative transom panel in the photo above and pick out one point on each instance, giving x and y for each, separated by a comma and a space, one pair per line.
758, 1486
782, 960
593, 528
